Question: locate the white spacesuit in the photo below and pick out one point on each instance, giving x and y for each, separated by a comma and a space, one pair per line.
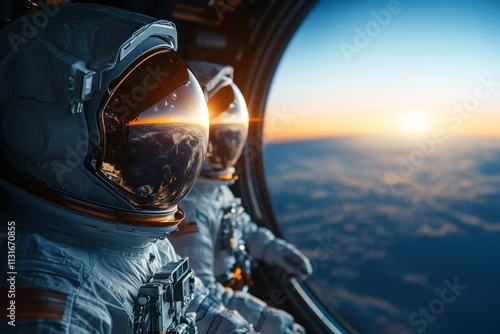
217, 235
103, 130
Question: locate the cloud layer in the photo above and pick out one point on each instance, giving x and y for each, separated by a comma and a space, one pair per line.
380, 253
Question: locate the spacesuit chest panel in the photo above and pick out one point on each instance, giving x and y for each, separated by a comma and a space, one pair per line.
230, 239
231, 231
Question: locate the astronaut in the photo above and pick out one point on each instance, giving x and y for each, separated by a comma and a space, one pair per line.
217, 235
103, 130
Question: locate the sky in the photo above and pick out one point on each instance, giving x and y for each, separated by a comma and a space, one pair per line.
403, 68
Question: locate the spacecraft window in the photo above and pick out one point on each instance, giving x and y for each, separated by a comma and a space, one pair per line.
381, 160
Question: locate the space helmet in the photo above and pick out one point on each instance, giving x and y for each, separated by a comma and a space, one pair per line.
100, 116
228, 115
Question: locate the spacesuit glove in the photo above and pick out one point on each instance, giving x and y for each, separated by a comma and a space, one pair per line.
218, 319
278, 321
286, 256
212, 317
265, 319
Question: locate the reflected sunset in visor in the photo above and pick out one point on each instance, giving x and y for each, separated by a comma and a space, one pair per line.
155, 125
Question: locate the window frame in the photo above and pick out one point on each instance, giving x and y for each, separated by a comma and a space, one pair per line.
254, 77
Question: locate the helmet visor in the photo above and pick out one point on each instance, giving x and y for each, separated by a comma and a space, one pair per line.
228, 128
155, 126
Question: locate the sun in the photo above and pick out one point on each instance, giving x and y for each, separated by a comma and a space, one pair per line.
414, 123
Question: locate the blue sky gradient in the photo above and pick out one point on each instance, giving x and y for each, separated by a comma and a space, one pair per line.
422, 59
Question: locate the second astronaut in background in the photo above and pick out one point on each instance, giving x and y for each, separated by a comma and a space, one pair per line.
217, 235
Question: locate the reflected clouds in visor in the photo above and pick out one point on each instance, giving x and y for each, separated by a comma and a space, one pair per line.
155, 125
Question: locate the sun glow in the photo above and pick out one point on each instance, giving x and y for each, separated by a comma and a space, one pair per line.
414, 123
